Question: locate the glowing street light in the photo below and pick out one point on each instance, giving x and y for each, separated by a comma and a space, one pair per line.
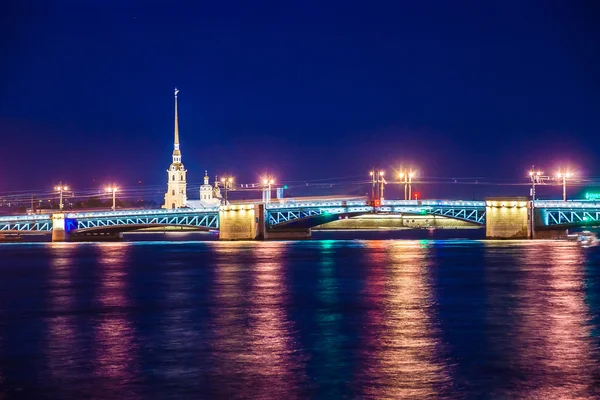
112, 189
227, 182
60, 189
564, 175
378, 183
537, 178
267, 181
406, 176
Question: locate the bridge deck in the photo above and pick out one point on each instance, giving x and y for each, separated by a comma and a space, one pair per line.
553, 213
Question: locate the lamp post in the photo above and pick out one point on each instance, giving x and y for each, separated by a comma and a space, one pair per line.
564, 175
372, 174
536, 179
112, 189
406, 177
377, 183
227, 183
61, 188
268, 181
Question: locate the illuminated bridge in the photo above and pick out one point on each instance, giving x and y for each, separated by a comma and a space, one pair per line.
311, 214
567, 213
295, 214
118, 221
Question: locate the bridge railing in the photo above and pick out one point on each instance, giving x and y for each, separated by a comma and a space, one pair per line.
35, 217
352, 203
179, 211
566, 204
433, 203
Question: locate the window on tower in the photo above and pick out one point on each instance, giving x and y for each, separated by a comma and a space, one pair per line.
173, 177
173, 192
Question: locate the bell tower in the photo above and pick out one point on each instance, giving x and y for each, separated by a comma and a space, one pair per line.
176, 196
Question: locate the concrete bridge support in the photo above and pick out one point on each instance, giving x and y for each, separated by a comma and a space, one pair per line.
238, 222
248, 222
510, 218
507, 218
60, 231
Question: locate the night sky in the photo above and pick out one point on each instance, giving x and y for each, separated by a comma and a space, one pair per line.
306, 90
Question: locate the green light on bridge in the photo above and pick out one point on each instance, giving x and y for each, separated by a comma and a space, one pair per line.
585, 219
592, 196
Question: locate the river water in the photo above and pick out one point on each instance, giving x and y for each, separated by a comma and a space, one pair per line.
322, 319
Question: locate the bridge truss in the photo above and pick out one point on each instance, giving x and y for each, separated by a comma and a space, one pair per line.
26, 223
279, 214
209, 220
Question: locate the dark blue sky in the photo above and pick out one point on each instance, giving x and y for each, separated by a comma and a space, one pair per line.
307, 90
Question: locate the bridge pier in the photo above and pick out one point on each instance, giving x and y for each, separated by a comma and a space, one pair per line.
60, 232
238, 222
248, 222
507, 218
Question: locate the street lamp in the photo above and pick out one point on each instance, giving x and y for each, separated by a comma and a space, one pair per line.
381, 184
372, 175
268, 181
564, 175
406, 177
60, 189
112, 189
537, 178
227, 183
378, 183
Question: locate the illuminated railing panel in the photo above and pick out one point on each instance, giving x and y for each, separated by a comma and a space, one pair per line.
26, 226
196, 219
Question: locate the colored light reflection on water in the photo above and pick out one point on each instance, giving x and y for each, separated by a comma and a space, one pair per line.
311, 319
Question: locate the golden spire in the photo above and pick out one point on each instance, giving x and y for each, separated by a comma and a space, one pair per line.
176, 122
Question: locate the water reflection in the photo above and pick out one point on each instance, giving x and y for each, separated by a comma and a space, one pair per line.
273, 363
555, 350
2, 373
64, 344
253, 337
330, 338
330, 319
229, 339
115, 353
180, 325
405, 356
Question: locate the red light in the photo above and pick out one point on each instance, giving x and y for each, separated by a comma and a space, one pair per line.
417, 195
377, 203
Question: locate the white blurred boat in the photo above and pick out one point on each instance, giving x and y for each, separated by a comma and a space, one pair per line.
586, 238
